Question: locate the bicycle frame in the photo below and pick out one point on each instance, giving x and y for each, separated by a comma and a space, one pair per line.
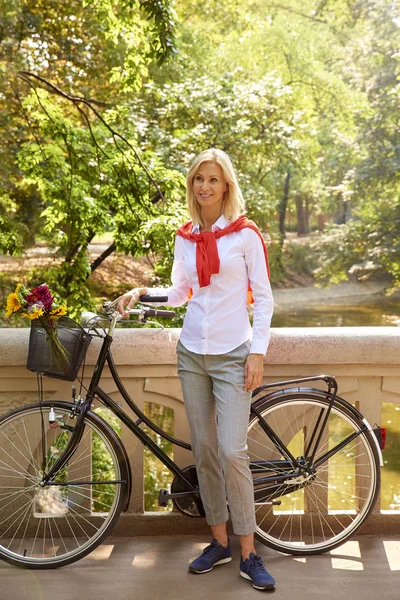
94, 390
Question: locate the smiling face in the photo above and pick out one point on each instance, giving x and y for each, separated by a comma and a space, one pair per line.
209, 185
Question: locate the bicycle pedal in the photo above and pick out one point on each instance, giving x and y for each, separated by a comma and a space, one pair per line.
163, 498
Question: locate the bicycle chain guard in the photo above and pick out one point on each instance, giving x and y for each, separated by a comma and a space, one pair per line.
187, 506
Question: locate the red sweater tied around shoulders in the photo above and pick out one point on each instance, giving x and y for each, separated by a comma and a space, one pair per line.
207, 258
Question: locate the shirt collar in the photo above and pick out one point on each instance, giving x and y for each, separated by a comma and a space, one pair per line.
220, 223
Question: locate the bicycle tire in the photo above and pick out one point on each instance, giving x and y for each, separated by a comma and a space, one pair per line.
54, 526
326, 509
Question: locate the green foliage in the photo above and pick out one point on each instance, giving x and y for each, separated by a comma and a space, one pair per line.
300, 259
102, 465
159, 233
10, 231
68, 176
251, 121
363, 248
99, 49
9, 239
90, 181
156, 475
80, 41
339, 248
368, 244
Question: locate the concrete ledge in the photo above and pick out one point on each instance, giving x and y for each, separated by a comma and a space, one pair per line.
159, 524
289, 346
174, 522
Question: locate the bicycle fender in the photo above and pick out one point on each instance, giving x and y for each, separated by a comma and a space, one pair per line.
378, 448
310, 391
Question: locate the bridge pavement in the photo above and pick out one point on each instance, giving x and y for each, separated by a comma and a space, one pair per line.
155, 568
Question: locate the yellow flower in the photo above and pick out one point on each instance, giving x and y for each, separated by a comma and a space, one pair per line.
34, 314
19, 286
60, 311
13, 304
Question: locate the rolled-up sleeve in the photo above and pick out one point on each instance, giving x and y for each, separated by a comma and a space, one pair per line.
261, 290
178, 292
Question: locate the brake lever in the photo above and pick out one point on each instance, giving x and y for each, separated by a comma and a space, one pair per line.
142, 316
159, 326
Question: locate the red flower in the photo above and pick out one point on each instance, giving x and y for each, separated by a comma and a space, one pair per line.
42, 294
31, 298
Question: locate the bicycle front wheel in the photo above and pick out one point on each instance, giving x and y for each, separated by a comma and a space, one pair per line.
337, 492
55, 525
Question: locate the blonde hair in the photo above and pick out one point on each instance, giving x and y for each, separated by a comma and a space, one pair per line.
233, 205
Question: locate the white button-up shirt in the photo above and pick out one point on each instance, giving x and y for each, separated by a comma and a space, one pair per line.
217, 320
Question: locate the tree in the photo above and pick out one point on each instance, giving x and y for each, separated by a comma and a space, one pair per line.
99, 50
90, 178
371, 236
63, 157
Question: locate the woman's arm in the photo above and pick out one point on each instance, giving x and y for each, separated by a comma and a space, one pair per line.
263, 308
261, 290
177, 293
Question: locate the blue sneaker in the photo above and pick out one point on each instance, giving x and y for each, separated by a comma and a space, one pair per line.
253, 568
212, 555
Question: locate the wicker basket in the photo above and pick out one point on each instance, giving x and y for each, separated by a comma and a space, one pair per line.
41, 357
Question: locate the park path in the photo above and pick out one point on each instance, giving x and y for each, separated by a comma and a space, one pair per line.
116, 269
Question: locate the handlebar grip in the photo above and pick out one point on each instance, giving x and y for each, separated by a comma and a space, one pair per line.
148, 298
152, 312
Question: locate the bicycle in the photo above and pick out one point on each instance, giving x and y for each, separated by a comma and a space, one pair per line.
65, 475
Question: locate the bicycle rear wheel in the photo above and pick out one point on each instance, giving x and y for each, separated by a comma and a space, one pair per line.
55, 525
321, 510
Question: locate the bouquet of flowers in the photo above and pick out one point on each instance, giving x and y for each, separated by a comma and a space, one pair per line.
39, 303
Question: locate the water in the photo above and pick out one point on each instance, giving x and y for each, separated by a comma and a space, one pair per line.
378, 311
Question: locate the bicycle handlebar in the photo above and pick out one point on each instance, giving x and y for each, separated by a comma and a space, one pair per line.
148, 298
151, 312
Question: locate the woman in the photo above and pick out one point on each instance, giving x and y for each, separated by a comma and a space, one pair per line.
220, 262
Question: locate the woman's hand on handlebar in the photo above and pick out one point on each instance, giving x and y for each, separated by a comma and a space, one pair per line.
129, 300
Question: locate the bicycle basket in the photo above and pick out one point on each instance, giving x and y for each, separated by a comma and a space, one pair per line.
41, 356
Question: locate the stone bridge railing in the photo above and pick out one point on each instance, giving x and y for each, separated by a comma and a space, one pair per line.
364, 360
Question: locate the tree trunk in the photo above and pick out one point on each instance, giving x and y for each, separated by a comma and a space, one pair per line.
97, 262
302, 224
300, 214
342, 218
321, 221
308, 213
283, 207
282, 215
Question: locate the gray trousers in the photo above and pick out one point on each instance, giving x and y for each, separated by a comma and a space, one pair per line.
217, 407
